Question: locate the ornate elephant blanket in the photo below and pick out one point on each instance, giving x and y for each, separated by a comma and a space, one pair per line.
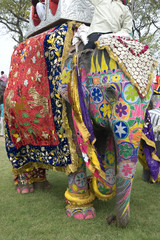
33, 108
147, 152
134, 58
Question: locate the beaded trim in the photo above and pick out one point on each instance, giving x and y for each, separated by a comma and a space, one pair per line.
134, 58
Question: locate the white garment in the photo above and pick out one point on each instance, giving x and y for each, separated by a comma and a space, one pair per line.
40, 9
81, 34
110, 16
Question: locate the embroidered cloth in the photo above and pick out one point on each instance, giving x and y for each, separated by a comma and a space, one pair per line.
33, 107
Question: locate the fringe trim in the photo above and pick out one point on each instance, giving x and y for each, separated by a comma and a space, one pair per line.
122, 66
71, 168
82, 207
152, 144
98, 194
142, 159
79, 199
68, 40
32, 165
158, 178
33, 180
76, 110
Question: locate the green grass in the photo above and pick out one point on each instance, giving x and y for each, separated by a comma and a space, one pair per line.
41, 215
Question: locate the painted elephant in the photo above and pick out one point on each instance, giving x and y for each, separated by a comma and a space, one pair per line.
44, 132
117, 113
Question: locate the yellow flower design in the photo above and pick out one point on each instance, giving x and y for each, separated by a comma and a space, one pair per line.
111, 158
116, 78
51, 40
65, 77
106, 110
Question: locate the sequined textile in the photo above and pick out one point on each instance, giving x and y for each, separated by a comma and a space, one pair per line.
134, 58
33, 107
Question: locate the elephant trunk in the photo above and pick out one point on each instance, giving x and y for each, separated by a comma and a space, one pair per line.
123, 192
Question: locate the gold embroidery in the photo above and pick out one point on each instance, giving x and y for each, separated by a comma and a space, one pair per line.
39, 100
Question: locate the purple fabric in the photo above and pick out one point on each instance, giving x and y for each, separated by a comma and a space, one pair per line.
153, 165
85, 114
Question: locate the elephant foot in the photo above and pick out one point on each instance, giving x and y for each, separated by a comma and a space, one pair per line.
111, 219
42, 185
25, 188
81, 212
146, 175
122, 220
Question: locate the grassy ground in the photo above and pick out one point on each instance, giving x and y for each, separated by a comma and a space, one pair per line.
41, 215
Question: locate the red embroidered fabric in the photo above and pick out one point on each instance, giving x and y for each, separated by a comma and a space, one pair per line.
28, 111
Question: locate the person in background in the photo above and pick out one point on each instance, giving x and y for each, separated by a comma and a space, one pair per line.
3, 76
110, 16
2, 121
40, 8
4, 79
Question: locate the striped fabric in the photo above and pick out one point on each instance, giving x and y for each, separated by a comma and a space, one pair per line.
155, 120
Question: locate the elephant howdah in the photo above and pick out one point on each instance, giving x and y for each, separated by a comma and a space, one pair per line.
99, 125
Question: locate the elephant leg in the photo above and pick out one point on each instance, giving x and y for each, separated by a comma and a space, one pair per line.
105, 190
127, 155
30, 179
78, 195
22, 183
38, 178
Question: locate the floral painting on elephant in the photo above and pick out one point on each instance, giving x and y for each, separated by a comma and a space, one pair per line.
97, 86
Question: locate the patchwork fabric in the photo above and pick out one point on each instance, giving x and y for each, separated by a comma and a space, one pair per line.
133, 57
33, 107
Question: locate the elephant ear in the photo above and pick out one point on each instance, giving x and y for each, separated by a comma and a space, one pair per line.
85, 59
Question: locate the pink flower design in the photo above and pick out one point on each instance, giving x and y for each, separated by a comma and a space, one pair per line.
83, 74
127, 169
93, 108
